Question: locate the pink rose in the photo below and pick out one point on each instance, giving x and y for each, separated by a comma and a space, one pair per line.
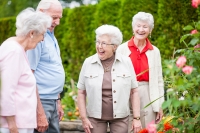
197, 46
187, 69
181, 61
193, 32
151, 127
195, 3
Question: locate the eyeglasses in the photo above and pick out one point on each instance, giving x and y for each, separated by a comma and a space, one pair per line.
103, 44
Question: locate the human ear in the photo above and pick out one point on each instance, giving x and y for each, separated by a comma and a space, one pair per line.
31, 34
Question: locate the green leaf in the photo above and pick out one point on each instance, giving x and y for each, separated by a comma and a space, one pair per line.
194, 41
176, 103
166, 104
184, 37
188, 27
198, 26
179, 51
152, 102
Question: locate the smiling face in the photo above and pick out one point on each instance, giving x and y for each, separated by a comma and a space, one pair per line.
141, 30
55, 11
104, 51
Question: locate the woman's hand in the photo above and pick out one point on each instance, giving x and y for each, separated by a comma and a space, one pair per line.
135, 101
12, 124
136, 126
82, 109
159, 116
86, 125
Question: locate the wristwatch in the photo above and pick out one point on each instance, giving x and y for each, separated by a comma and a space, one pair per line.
137, 118
58, 98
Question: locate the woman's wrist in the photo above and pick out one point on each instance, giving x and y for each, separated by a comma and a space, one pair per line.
136, 118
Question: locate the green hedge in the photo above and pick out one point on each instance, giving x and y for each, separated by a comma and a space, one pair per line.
7, 28
78, 42
76, 32
172, 17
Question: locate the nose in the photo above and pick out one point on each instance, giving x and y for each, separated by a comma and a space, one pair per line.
57, 21
100, 45
141, 28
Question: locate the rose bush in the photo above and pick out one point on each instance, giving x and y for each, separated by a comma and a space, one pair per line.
182, 85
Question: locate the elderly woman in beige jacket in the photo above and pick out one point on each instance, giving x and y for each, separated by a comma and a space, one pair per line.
146, 61
108, 81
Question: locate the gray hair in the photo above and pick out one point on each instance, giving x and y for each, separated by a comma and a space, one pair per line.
112, 31
45, 4
143, 16
30, 20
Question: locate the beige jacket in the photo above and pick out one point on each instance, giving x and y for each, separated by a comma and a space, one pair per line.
156, 84
123, 80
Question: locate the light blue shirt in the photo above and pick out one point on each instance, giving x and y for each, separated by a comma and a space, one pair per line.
45, 60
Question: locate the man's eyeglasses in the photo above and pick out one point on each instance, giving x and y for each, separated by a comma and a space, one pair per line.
103, 44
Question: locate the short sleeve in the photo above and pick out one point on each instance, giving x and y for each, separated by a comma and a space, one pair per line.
34, 56
81, 81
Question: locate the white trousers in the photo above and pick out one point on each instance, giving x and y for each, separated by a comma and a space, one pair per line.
147, 115
21, 130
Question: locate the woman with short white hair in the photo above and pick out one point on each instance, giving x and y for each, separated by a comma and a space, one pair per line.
146, 61
108, 80
18, 85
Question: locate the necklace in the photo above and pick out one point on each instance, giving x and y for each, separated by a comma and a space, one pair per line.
107, 64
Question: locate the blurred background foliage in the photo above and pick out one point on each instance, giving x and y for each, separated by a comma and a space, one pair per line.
76, 32
76, 35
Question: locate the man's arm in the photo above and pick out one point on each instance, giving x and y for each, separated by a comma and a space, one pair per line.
60, 109
42, 123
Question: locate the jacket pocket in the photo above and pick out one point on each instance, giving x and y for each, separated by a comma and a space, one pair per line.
91, 80
91, 75
124, 78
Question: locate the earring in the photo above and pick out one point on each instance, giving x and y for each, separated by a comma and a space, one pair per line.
150, 35
133, 33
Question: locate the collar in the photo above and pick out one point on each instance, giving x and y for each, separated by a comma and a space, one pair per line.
96, 59
49, 32
148, 43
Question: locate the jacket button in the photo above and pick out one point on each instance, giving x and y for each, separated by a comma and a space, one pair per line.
90, 76
113, 80
114, 91
114, 101
113, 69
123, 74
115, 115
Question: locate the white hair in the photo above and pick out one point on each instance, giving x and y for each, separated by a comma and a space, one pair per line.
143, 16
45, 4
112, 31
30, 20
